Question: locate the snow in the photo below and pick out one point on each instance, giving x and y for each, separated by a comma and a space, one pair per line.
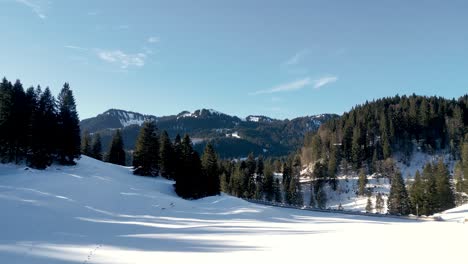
234, 135
99, 213
253, 118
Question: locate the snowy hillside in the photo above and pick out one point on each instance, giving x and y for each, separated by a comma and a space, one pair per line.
100, 213
346, 193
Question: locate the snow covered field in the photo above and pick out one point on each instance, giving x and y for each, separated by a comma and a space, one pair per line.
100, 213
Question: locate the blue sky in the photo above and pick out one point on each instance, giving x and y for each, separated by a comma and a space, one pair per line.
277, 58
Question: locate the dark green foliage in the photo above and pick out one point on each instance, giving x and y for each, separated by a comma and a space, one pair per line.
417, 194
379, 204
369, 205
371, 132
33, 128
68, 145
146, 155
269, 183
116, 154
277, 191
362, 182
444, 192
398, 200
44, 134
189, 177
166, 156
86, 144
96, 148
211, 172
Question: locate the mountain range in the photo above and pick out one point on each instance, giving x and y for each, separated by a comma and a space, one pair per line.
231, 135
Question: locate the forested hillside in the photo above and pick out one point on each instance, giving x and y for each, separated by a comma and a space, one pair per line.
373, 131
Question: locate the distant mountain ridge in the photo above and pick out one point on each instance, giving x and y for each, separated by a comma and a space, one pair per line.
232, 136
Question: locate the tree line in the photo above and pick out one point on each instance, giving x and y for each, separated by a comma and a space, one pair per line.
37, 128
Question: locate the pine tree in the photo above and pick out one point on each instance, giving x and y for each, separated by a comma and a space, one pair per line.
166, 153
86, 144
417, 194
430, 201
146, 154
44, 132
369, 206
116, 154
321, 197
189, 181
277, 191
69, 127
398, 200
379, 204
362, 182
210, 167
96, 148
268, 186
445, 195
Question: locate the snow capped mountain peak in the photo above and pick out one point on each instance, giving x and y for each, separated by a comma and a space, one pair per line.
258, 118
128, 118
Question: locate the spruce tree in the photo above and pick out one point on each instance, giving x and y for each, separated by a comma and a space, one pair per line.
69, 127
369, 206
445, 195
146, 154
398, 200
189, 181
277, 191
379, 204
96, 148
430, 204
269, 182
211, 170
116, 154
417, 194
362, 182
166, 156
86, 144
44, 132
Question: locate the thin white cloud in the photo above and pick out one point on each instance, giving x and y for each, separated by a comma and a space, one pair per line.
153, 40
324, 81
299, 85
287, 87
75, 48
121, 58
34, 6
298, 57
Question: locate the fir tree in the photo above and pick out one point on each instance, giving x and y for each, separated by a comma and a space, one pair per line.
210, 167
379, 204
96, 148
69, 127
86, 144
146, 154
417, 193
116, 154
277, 191
369, 205
445, 195
166, 153
362, 182
44, 131
398, 200
321, 197
269, 183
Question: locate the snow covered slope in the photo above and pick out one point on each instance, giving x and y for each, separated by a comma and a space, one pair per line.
100, 213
